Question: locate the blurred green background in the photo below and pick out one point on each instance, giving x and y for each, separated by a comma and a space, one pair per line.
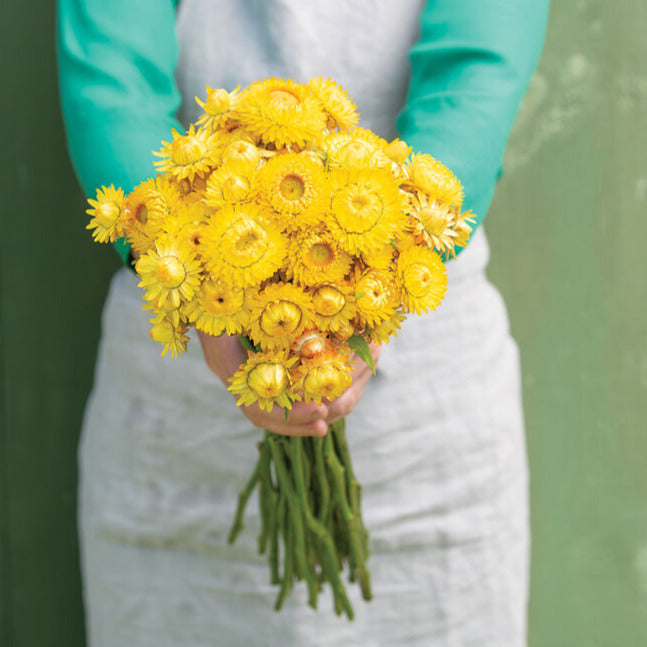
567, 231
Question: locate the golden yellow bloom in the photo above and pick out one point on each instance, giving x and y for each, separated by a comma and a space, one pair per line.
265, 379
325, 376
380, 258
187, 155
226, 185
315, 257
376, 296
106, 212
280, 113
365, 209
423, 277
293, 184
398, 151
434, 178
242, 156
220, 307
173, 337
432, 223
463, 229
310, 343
281, 312
145, 211
333, 306
169, 272
240, 247
217, 108
340, 110
357, 148
382, 332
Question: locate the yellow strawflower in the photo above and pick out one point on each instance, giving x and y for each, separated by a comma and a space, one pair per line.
172, 336
365, 209
240, 246
217, 108
282, 311
265, 379
423, 278
333, 306
340, 111
219, 308
106, 213
280, 113
315, 257
293, 185
188, 155
432, 177
169, 272
325, 376
376, 295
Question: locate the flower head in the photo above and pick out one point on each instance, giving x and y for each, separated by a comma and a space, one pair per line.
340, 111
106, 213
169, 272
365, 209
188, 155
219, 308
423, 278
240, 247
217, 108
281, 313
325, 376
280, 112
265, 379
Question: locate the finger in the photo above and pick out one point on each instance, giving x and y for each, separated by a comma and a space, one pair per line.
301, 418
316, 428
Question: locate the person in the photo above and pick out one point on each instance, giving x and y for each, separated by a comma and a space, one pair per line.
436, 436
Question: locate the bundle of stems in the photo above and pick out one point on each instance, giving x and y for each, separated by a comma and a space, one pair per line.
311, 521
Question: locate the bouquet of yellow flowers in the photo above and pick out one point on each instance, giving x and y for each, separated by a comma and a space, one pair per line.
278, 219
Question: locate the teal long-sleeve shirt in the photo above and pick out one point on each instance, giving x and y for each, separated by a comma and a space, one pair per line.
469, 72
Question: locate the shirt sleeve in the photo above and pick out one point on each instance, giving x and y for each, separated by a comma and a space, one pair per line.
469, 72
116, 63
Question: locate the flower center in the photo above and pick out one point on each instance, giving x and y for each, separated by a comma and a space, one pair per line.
243, 243
141, 213
268, 380
284, 97
222, 302
372, 292
170, 272
417, 279
321, 254
356, 208
187, 150
328, 301
292, 187
107, 214
280, 318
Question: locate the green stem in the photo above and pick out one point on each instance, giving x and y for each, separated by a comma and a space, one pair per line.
359, 533
328, 561
295, 519
243, 498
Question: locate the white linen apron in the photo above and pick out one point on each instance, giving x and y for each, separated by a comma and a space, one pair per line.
437, 440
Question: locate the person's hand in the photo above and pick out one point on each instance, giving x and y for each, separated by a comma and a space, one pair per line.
225, 354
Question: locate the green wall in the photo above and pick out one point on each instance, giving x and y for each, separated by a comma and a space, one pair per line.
566, 232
